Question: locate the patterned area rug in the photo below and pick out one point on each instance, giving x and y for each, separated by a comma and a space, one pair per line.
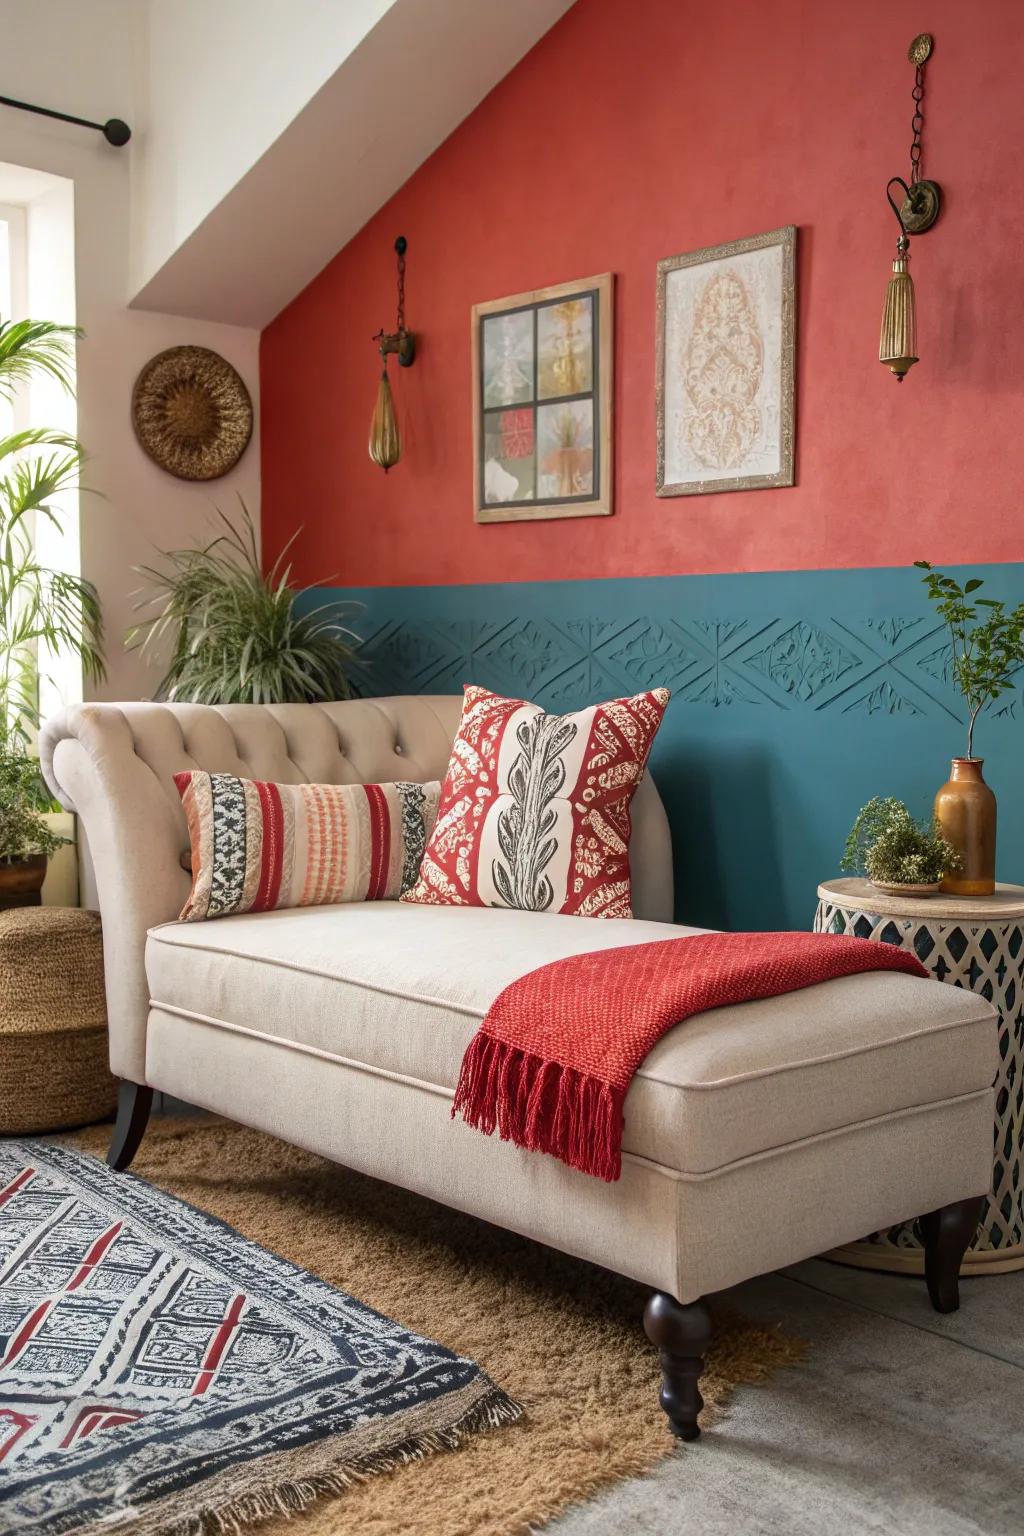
564, 1338
159, 1372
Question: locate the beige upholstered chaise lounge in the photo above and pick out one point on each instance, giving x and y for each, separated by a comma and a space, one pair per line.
755, 1135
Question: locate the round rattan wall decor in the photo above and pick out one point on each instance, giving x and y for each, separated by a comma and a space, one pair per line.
191, 413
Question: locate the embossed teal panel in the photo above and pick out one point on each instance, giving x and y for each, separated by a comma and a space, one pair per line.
796, 696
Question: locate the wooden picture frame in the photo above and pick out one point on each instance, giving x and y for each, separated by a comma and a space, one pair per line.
726, 410
542, 403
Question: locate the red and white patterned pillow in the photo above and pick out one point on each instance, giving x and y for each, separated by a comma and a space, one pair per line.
257, 846
534, 809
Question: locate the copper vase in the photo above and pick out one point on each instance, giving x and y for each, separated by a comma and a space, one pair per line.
965, 809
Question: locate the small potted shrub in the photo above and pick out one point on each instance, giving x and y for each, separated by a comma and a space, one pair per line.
26, 842
899, 855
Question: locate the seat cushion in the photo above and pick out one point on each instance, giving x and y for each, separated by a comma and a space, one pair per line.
399, 990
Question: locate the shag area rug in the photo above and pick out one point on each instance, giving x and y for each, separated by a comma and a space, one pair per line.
563, 1338
159, 1372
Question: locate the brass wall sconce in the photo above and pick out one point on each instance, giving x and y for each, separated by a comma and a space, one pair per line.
897, 347
385, 439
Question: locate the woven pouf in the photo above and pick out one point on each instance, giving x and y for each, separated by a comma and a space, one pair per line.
53, 1021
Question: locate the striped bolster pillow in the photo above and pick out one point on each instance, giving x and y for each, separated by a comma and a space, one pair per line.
258, 846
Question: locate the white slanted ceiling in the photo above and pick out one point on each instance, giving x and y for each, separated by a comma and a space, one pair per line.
272, 133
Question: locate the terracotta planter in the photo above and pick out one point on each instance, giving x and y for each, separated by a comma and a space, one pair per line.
21, 881
965, 809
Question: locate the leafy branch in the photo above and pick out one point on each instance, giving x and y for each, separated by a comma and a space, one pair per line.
30, 347
987, 651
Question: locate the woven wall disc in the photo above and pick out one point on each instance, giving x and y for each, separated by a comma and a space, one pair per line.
191, 413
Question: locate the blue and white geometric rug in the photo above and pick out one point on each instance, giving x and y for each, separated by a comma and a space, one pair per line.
159, 1373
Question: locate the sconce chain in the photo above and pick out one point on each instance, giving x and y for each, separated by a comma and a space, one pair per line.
917, 123
401, 290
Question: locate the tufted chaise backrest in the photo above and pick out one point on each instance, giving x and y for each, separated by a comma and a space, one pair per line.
114, 764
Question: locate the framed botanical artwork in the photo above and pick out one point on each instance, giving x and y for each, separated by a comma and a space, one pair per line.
724, 381
542, 403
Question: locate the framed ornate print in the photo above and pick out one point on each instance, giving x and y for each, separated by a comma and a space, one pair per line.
724, 380
542, 403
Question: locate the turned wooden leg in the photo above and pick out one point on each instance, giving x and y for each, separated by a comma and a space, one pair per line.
681, 1335
947, 1237
134, 1102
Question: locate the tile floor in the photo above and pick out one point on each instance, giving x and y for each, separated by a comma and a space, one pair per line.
901, 1421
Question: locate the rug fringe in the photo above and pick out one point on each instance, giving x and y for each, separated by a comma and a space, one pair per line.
541, 1105
292, 1495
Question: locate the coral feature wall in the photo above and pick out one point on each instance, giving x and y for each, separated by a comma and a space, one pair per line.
634, 130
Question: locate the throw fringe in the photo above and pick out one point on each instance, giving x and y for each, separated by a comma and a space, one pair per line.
224, 1513
541, 1105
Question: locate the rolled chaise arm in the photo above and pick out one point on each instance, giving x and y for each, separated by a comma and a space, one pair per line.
131, 823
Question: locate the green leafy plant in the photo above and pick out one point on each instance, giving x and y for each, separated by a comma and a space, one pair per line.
235, 634
987, 650
40, 609
23, 831
889, 845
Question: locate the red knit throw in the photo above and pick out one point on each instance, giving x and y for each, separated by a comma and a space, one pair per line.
550, 1066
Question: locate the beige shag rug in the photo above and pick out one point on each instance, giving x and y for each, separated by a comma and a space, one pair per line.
562, 1337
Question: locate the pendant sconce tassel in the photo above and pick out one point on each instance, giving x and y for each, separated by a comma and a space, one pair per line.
385, 442
385, 439
897, 346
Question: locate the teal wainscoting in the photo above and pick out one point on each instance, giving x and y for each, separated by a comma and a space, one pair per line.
796, 696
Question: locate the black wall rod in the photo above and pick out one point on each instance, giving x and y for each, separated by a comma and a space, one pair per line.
113, 130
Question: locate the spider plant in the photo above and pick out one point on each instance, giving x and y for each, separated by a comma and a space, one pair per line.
41, 610
237, 634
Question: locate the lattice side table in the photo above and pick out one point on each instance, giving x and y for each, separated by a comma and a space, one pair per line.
975, 942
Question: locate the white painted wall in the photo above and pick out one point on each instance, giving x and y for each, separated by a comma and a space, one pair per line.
83, 56
277, 128
222, 80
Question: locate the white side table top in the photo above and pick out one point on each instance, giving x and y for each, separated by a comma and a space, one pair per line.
1005, 903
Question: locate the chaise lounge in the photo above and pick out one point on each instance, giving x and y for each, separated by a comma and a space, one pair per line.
755, 1135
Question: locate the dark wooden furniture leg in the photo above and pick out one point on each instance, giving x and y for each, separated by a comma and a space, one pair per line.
681, 1335
134, 1102
947, 1237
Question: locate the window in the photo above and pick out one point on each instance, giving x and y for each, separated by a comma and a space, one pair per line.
13, 301
37, 281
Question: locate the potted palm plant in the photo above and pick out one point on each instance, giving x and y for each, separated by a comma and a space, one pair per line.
237, 634
42, 611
